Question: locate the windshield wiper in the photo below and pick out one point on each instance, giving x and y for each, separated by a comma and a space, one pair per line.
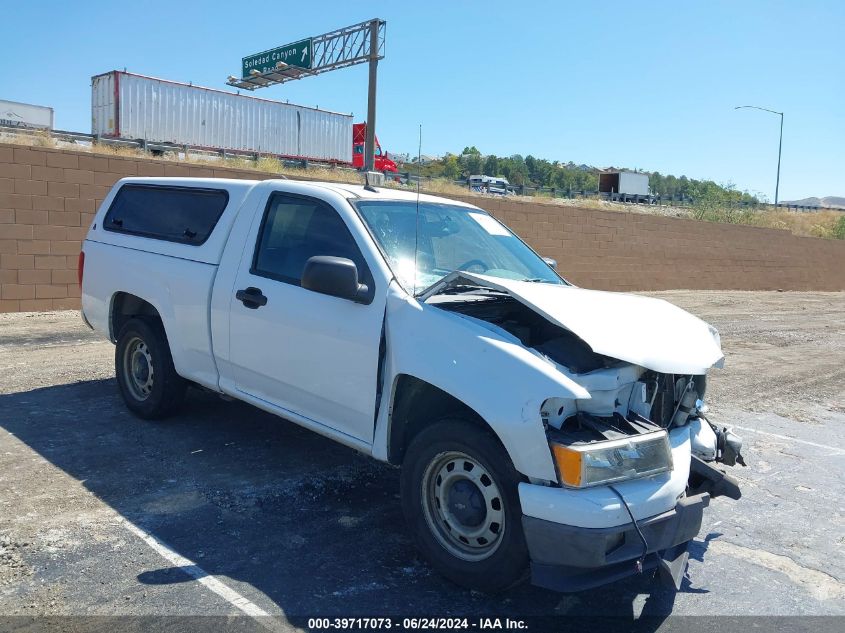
454, 283
462, 288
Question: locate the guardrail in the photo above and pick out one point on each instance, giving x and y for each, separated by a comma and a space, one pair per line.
159, 148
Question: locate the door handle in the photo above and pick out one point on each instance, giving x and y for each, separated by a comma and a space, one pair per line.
251, 297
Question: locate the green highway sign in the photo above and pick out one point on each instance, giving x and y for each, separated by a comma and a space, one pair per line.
297, 54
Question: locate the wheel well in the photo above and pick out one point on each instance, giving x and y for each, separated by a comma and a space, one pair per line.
417, 403
126, 306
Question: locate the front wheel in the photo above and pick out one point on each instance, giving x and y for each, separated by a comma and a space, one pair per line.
147, 380
460, 499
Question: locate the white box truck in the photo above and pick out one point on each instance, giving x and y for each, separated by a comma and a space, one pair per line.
625, 183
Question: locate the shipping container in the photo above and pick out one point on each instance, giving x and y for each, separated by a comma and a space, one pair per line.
129, 106
625, 182
14, 114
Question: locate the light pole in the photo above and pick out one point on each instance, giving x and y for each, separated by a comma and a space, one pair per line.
780, 142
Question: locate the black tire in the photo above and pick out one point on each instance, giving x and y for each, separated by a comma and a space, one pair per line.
144, 343
502, 566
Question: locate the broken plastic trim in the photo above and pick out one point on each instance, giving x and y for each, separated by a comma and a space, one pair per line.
706, 478
587, 428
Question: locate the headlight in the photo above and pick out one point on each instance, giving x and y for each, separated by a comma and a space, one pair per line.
582, 465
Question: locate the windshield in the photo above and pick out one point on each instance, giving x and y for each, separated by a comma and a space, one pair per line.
450, 238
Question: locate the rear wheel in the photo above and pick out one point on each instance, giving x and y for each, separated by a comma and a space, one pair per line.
147, 380
459, 496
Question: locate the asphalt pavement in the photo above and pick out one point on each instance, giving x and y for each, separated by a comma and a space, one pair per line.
225, 510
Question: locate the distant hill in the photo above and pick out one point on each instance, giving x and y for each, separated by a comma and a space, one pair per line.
829, 202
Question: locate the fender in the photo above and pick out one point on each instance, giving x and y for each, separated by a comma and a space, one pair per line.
499, 379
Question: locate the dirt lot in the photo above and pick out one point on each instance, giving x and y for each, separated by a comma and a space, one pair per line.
296, 525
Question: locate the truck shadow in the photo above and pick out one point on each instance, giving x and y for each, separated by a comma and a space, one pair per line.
312, 525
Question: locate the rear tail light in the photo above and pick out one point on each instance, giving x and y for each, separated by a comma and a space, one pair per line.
80, 269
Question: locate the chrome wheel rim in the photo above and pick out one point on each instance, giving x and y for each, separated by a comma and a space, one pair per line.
138, 369
463, 506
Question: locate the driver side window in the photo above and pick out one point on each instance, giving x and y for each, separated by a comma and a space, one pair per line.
296, 228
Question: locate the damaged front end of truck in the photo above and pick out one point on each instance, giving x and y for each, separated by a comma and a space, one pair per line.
635, 459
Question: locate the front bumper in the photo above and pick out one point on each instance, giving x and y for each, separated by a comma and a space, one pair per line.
568, 558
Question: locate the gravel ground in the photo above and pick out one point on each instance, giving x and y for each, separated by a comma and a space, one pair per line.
298, 525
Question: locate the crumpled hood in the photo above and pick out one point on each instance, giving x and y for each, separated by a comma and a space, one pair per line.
651, 333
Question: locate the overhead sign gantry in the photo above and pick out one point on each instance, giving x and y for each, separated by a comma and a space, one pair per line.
344, 47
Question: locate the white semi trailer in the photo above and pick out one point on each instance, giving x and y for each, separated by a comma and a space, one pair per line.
135, 107
25, 115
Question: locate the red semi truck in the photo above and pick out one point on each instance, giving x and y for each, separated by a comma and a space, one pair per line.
359, 139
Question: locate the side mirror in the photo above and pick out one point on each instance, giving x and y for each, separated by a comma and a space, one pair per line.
551, 262
335, 276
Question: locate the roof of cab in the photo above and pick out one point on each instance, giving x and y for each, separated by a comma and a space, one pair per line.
382, 193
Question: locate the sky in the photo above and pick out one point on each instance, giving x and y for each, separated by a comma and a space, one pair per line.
648, 85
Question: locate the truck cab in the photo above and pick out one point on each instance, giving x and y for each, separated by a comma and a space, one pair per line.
383, 162
538, 426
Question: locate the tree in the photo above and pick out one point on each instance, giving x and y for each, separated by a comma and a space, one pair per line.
531, 166
472, 163
515, 170
491, 165
451, 167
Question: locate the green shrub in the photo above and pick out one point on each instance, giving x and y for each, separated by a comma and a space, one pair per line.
839, 228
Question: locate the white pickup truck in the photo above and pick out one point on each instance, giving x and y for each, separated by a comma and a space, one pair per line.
539, 426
